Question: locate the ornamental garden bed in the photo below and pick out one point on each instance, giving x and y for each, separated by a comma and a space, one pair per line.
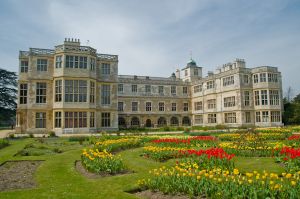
83, 171
18, 174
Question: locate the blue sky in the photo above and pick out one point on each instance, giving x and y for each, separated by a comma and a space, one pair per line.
155, 37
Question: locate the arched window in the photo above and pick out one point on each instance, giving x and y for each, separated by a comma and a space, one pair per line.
148, 123
174, 121
186, 121
122, 122
161, 121
135, 122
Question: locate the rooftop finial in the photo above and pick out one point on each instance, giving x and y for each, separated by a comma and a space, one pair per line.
191, 54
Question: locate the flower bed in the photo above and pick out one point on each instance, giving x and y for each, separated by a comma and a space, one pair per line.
291, 158
195, 141
113, 145
294, 137
162, 153
102, 162
252, 137
189, 178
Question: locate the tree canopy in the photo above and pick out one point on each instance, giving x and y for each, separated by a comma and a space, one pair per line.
8, 96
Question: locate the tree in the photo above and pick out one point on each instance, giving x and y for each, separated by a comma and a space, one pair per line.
289, 94
8, 95
297, 99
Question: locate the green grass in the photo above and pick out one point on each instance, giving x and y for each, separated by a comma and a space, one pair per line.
248, 164
57, 177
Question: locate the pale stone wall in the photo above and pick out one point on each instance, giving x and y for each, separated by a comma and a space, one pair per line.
26, 113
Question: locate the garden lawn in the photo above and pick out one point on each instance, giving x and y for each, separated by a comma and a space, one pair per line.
57, 177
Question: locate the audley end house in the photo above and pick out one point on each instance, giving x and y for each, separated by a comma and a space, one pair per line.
72, 89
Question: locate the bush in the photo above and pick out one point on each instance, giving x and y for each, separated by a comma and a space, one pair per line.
31, 135
52, 134
221, 127
3, 143
11, 136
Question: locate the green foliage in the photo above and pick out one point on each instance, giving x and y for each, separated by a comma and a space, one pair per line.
102, 162
46, 146
8, 96
4, 143
52, 134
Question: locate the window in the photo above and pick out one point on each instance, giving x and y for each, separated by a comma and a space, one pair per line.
70, 61
120, 88
246, 79
228, 81
75, 90
58, 90
75, 119
161, 90
105, 94
275, 116
174, 121
41, 64
105, 122
211, 104
256, 96
161, 106
148, 106
23, 93
257, 117
148, 88
198, 119
58, 61
264, 97
120, 106
198, 106
185, 106
248, 117
255, 78
134, 106
184, 90
272, 77
83, 62
262, 77
135, 121
246, 98
265, 116
92, 64
40, 120
41, 90
57, 120
186, 72
105, 69
229, 101
197, 88
92, 92
212, 118
274, 97
173, 90
24, 66
230, 117
210, 85
174, 107
92, 119
134, 88
195, 72
76, 62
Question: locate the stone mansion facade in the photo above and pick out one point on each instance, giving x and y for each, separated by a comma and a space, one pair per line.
72, 88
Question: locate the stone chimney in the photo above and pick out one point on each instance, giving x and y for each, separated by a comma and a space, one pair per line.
177, 74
